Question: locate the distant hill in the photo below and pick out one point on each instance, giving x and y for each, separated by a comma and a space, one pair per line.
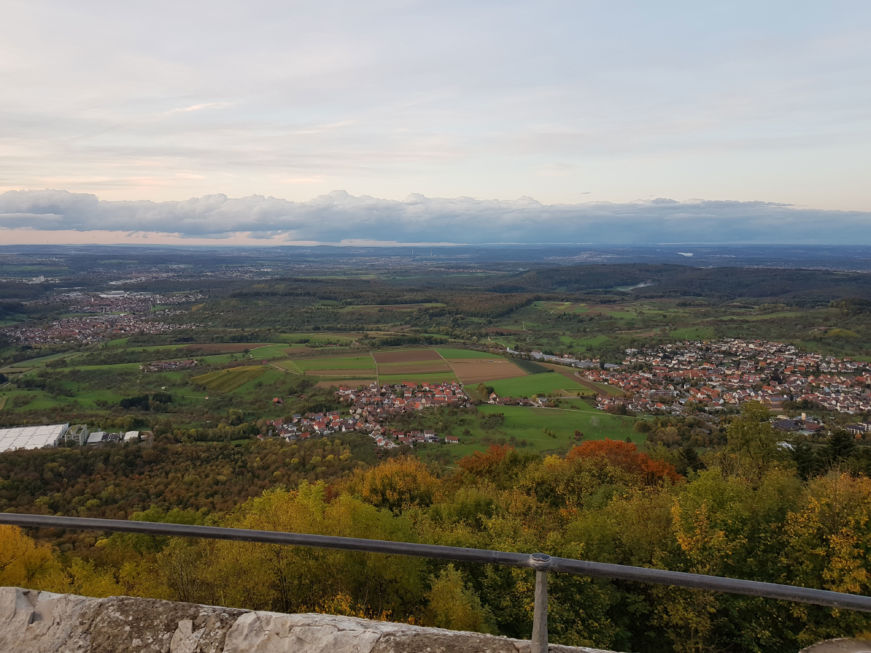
653, 280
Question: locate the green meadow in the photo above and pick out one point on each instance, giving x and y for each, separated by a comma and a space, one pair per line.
534, 384
539, 430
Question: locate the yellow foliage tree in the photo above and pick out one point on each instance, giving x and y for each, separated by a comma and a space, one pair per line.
396, 484
828, 546
24, 563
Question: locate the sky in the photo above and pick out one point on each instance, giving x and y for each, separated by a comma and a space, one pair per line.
277, 122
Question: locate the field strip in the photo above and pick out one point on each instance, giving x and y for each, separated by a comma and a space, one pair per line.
3, 402
375, 363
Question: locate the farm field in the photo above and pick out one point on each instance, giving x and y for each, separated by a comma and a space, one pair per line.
392, 366
229, 379
405, 355
431, 377
478, 370
338, 374
463, 354
414, 367
363, 362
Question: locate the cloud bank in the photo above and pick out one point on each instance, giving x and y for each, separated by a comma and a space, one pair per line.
339, 217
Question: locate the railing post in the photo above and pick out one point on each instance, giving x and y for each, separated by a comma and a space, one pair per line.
540, 562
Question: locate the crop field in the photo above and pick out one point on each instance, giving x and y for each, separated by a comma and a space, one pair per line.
229, 379
260, 384
463, 354
414, 367
419, 365
343, 374
478, 370
530, 367
405, 355
325, 364
535, 384
431, 377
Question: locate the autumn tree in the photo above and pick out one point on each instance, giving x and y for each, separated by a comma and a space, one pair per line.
452, 604
626, 456
396, 484
24, 563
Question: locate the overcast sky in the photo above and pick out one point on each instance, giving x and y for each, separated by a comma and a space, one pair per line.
482, 121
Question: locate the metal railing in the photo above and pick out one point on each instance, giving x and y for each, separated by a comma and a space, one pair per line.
541, 563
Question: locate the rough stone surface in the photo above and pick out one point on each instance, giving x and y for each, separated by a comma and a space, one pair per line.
840, 646
42, 622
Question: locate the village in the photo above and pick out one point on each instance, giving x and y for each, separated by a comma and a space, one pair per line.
102, 316
675, 378
371, 407
87, 330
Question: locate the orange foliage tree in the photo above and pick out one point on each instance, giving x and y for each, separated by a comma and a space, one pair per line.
483, 463
625, 456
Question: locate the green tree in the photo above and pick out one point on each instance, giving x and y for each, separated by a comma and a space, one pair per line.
452, 604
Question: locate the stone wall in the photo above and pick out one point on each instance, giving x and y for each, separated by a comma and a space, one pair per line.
40, 622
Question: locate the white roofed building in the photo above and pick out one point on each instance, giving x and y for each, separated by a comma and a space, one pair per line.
32, 437
96, 437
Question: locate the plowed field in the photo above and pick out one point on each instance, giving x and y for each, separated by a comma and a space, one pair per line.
406, 356
478, 370
415, 367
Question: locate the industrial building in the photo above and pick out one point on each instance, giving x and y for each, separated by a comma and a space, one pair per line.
32, 437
